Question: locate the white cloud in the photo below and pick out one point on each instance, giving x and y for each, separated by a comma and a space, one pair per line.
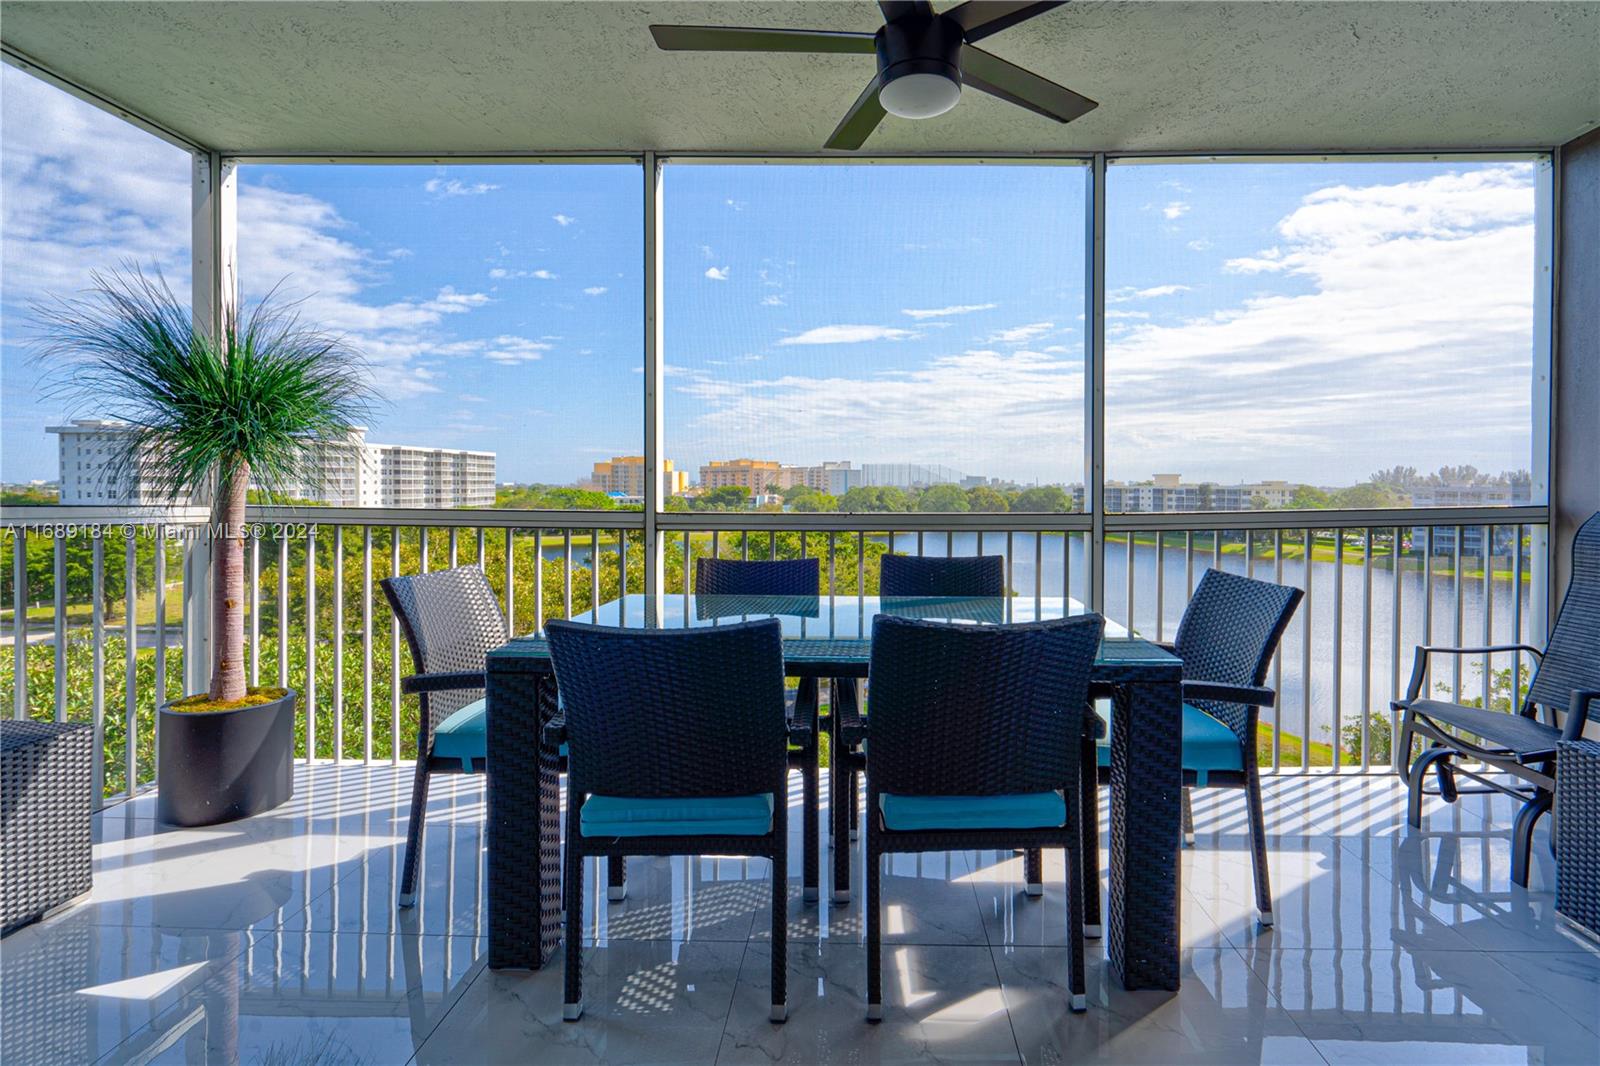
1175, 209
563, 220
1199, 245
501, 273
440, 188
772, 300
717, 273
848, 335
1130, 292
944, 312
596, 290
470, 397
506, 349
1022, 334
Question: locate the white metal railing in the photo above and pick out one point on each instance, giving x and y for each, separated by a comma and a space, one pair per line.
315, 621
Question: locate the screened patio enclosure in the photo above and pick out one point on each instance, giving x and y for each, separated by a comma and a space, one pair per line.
1295, 253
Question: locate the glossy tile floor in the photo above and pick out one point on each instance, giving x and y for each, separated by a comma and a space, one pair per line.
276, 941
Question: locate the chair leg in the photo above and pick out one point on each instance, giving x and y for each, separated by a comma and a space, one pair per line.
780, 926
838, 797
1522, 835
871, 874
1188, 818
1089, 837
1402, 750
1033, 872
1258, 848
1075, 895
572, 1003
853, 806
810, 818
616, 878
1418, 777
413, 856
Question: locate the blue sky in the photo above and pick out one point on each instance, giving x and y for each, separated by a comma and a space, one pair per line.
1310, 322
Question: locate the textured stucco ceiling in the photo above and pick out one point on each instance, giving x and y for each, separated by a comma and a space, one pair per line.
496, 77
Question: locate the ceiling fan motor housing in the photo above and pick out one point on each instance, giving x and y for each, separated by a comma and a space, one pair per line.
919, 46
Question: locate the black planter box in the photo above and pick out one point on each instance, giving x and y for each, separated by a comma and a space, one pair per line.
219, 766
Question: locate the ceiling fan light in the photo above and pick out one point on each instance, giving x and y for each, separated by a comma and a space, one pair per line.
920, 95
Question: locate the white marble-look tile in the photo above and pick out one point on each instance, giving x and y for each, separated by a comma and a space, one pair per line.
72, 990
1570, 979
941, 1003
644, 1002
1370, 1002
1222, 1014
307, 997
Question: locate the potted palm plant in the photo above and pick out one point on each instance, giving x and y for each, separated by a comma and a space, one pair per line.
207, 415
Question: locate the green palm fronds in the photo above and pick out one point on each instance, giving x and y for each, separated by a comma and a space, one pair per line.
262, 395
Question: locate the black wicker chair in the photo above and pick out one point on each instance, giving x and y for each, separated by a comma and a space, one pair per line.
1566, 681
451, 621
974, 743
1226, 640
970, 576
920, 575
801, 580
677, 747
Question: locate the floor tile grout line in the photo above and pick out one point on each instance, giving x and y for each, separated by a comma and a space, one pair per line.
1272, 997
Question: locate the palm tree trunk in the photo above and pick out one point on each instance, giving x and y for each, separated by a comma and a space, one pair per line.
227, 589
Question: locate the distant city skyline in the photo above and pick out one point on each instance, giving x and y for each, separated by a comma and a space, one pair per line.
1310, 322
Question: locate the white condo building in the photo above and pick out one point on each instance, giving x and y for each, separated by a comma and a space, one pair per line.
354, 473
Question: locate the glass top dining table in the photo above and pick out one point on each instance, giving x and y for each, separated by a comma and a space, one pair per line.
830, 637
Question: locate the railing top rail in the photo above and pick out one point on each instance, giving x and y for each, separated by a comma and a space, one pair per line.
904, 521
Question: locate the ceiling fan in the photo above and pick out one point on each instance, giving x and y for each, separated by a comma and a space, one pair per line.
924, 59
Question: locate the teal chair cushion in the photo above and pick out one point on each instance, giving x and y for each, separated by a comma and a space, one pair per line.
1207, 744
619, 816
464, 736
1027, 810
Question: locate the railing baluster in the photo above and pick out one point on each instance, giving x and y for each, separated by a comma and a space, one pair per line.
566, 573
423, 550
1066, 572
130, 655
1338, 650
396, 704
1011, 572
454, 562
1427, 609
1188, 565
283, 607
919, 544
311, 644
59, 597
19, 623
1216, 548
861, 570
744, 545
1161, 584
832, 558
255, 610
538, 579
1487, 552
1364, 708
1038, 576
1516, 617
97, 585
772, 551
1460, 587
1305, 657
594, 578
622, 577
159, 576
1127, 553
688, 570
483, 560
1277, 660
366, 644
949, 543
716, 544
511, 583
1397, 621
338, 644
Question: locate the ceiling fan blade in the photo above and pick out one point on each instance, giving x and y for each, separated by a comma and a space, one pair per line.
751, 39
981, 18
859, 122
899, 9
991, 74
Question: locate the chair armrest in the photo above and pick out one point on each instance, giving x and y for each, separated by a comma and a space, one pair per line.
799, 730
443, 682
1251, 695
555, 731
1578, 713
1419, 665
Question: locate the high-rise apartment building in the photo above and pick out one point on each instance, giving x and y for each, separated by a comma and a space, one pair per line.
623, 475
348, 473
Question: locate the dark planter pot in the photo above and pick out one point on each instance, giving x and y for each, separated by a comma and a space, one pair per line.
219, 766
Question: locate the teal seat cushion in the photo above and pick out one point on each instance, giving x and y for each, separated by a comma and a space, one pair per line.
1026, 810
1207, 744
463, 735
620, 816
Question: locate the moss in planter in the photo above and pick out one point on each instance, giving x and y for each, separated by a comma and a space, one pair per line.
203, 702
